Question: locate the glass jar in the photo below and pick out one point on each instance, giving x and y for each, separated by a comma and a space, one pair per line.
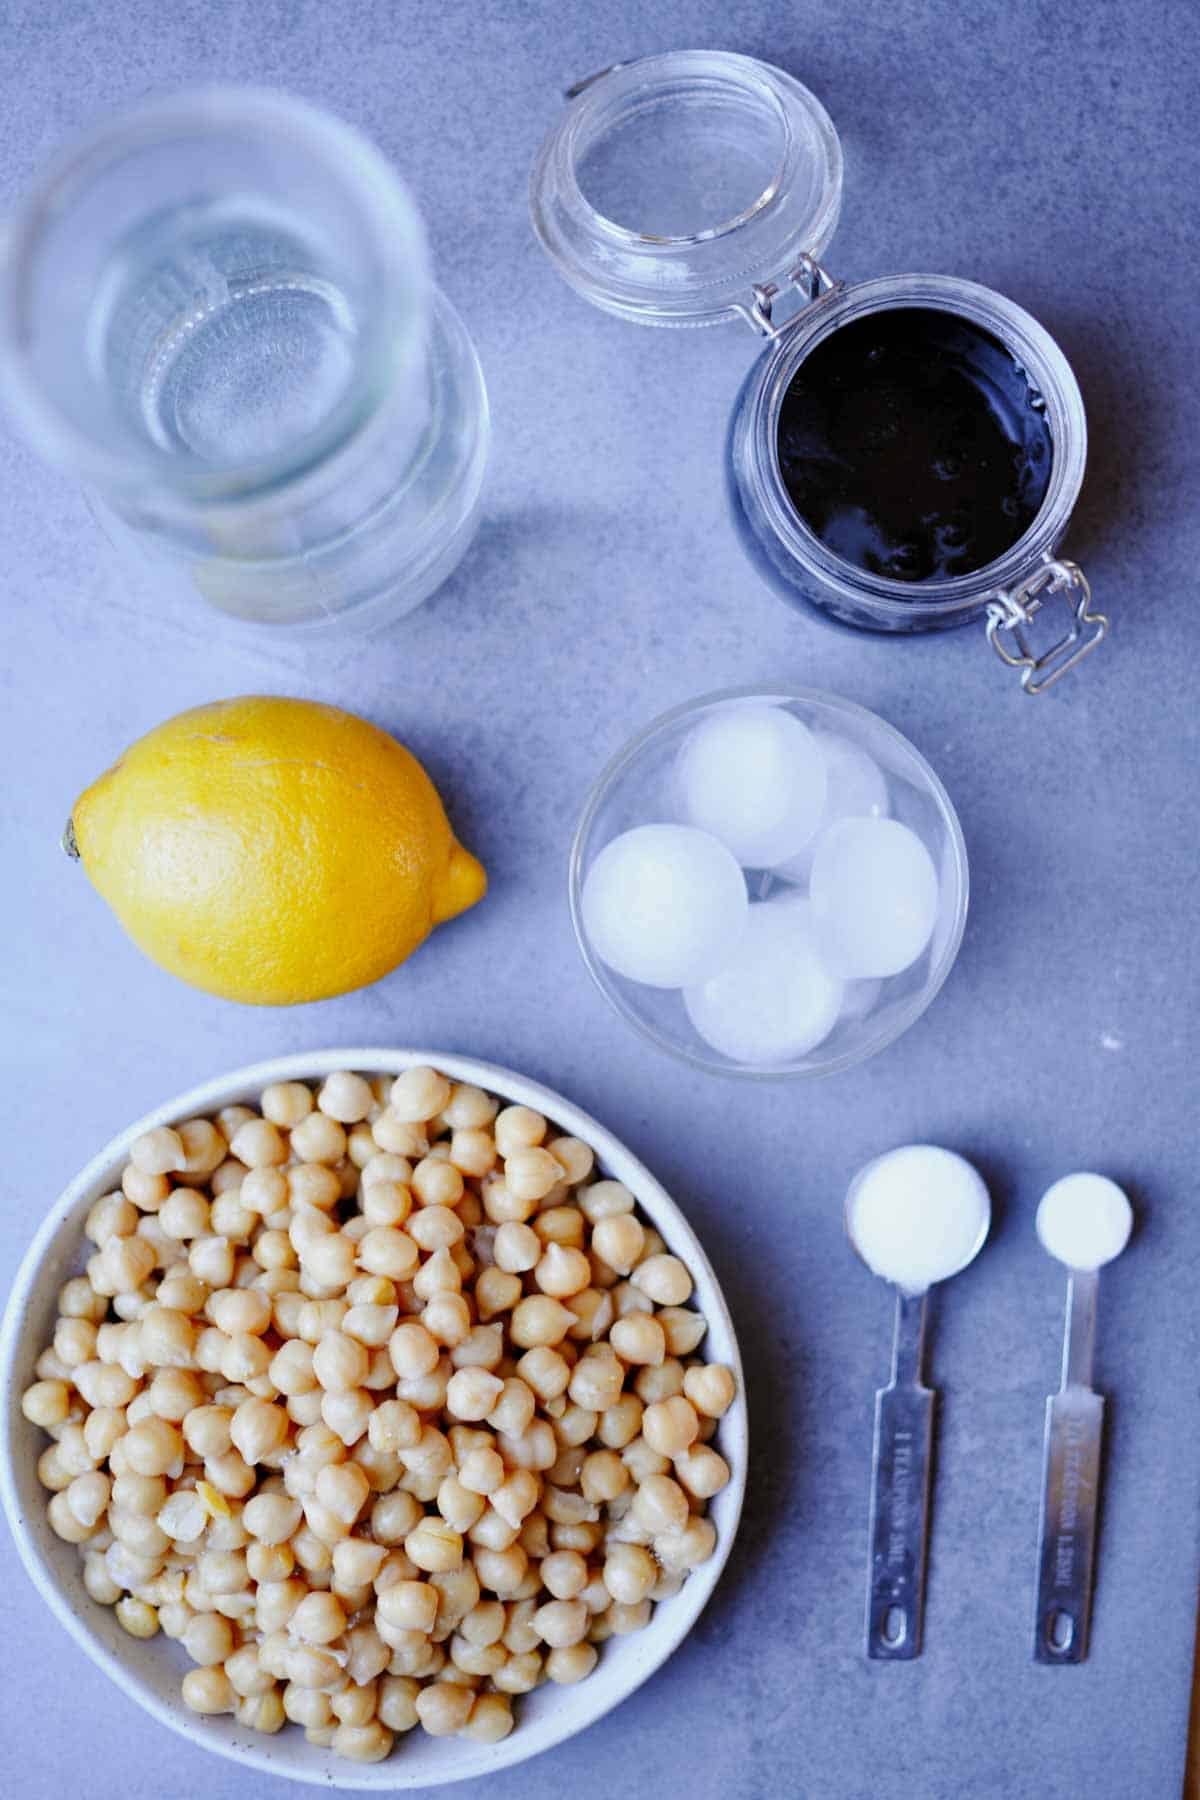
698, 187
217, 312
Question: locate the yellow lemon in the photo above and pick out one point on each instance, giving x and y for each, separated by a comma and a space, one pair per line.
273, 850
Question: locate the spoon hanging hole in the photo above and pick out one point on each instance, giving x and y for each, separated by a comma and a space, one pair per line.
895, 1627
1060, 1631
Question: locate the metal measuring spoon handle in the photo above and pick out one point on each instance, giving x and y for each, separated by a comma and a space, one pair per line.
1070, 1488
900, 1494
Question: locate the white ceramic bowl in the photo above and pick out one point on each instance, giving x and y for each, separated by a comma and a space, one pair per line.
150, 1671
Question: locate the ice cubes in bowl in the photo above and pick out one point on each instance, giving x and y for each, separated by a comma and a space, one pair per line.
763, 1015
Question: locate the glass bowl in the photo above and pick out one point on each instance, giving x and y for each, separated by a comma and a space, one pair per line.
638, 788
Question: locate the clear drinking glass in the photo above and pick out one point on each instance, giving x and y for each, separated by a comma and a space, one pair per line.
217, 311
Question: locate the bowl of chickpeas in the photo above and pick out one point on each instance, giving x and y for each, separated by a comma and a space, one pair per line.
372, 1417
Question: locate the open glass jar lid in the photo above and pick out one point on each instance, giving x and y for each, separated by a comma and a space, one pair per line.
906, 454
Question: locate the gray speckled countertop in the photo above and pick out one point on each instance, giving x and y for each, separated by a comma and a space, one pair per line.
1048, 151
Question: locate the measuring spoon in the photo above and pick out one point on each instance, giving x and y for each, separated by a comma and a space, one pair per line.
1084, 1221
915, 1216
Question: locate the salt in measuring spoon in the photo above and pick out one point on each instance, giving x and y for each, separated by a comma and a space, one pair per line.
916, 1216
1084, 1221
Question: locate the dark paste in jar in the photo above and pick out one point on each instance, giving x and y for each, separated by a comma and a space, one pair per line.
912, 443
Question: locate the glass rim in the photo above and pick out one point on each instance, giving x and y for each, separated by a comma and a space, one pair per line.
582, 241
1018, 332
370, 182
907, 1013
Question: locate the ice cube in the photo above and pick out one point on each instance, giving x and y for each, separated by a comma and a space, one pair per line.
874, 894
859, 998
753, 776
856, 790
774, 1000
664, 905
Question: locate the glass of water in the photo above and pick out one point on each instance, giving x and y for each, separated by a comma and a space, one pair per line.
218, 312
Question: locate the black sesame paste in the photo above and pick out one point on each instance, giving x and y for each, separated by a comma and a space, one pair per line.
913, 444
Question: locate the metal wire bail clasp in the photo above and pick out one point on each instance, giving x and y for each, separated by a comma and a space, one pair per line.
1009, 613
808, 279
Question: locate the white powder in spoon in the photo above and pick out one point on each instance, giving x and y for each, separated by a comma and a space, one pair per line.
917, 1215
1084, 1220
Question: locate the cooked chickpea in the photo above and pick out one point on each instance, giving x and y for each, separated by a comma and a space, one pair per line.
664, 1279
419, 1094
340, 1362
46, 1403
618, 1239
98, 1582
88, 1496
318, 1619
517, 1247
638, 1338
604, 1198
659, 1381
266, 1563
520, 1674
328, 1260
386, 1250
539, 1319
271, 1518
496, 1291
344, 1489
437, 1181
434, 1546
596, 1380
710, 1388
208, 1690
126, 1262
660, 1504
472, 1393
166, 1338
258, 1429
444, 1707
285, 1103
314, 1186
239, 1310
412, 1350
561, 1623
318, 1139
562, 1272
702, 1471
564, 1225
113, 1215
564, 1574
158, 1152
670, 1426
146, 1191
103, 1429
687, 1546
435, 1228
261, 1712
344, 1097
594, 1314
530, 1173
472, 1151
259, 1144
447, 1318
603, 1476
265, 1190
517, 1128
153, 1447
